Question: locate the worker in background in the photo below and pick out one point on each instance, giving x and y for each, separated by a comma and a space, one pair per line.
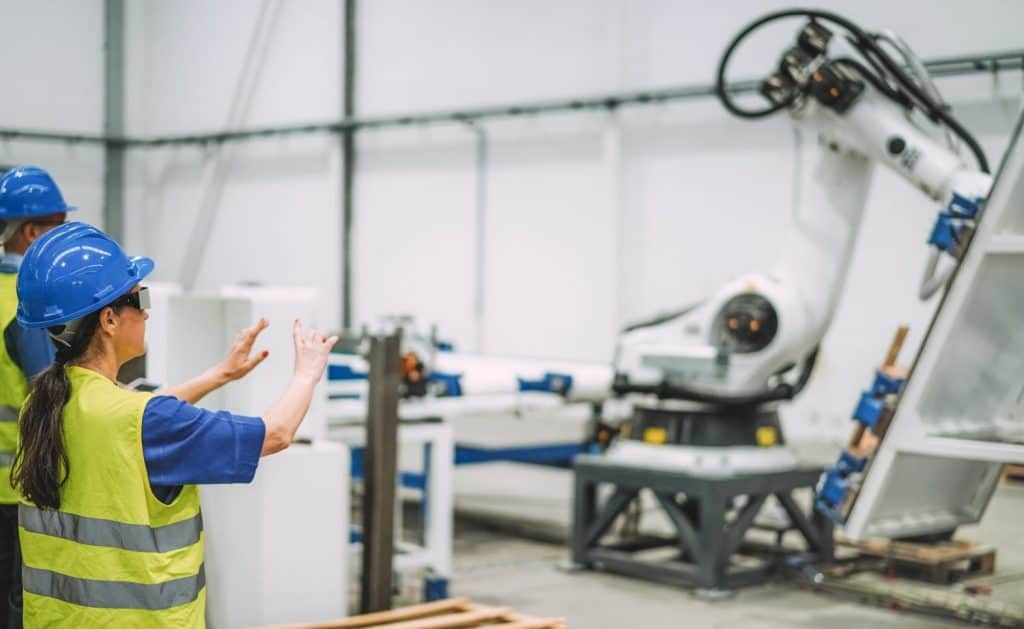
30, 205
111, 531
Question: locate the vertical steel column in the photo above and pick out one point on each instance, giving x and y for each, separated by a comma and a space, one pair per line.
380, 472
348, 157
480, 244
113, 119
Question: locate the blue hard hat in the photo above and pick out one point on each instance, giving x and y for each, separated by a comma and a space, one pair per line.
29, 191
71, 271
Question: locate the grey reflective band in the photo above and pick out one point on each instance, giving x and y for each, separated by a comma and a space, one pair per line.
9, 414
100, 532
113, 594
6, 459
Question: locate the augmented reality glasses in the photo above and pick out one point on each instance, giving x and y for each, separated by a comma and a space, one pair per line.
138, 300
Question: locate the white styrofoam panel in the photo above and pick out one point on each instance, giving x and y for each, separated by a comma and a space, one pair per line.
299, 500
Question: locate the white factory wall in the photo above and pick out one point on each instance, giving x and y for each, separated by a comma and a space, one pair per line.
275, 202
54, 82
592, 220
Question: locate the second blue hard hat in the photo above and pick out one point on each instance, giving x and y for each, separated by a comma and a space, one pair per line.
29, 191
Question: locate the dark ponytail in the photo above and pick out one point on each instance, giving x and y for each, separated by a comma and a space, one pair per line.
41, 463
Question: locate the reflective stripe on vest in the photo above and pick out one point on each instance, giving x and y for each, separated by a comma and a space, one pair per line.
9, 414
6, 460
99, 532
113, 594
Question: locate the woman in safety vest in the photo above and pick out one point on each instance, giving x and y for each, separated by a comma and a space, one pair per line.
110, 525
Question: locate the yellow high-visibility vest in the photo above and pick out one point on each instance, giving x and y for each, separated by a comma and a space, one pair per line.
13, 390
113, 555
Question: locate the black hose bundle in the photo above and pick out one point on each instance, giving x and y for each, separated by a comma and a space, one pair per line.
906, 92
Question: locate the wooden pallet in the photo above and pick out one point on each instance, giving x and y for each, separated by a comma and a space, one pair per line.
945, 562
1014, 473
452, 613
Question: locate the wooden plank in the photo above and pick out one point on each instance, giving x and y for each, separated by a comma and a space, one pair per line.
535, 623
452, 621
447, 614
936, 563
392, 616
921, 553
895, 346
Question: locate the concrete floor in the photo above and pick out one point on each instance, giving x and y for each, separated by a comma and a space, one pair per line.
505, 569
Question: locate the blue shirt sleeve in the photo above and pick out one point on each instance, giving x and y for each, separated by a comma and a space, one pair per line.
29, 348
186, 445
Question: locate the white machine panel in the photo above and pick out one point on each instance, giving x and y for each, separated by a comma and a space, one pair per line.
961, 414
277, 549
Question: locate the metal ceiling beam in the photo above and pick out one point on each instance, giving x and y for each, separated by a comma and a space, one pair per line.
944, 67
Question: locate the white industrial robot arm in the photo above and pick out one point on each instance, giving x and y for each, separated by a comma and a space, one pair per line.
743, 344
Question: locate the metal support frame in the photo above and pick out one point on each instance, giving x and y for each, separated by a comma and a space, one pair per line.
380, 465
432, 552
709, 533
113, 118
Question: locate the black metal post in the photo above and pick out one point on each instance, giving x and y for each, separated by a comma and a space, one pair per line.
380, 472
113, 119
348, 159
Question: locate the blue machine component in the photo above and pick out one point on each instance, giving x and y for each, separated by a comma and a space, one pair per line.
835, 482
872, 402
450, 383
560, 383
869, 409
409, 480
344, 372
555, 455
434, 588
944, 233
963, 207
885, 384
948, 223
444, 346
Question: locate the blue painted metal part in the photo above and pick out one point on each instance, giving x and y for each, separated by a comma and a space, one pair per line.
836, 480
552, 455
344, 372
885, 384
948, 223
344, 396
560, 383
961, 206
451, 383
869, 409
835, 483
850, 464
409, 480
944, 233
434, 588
